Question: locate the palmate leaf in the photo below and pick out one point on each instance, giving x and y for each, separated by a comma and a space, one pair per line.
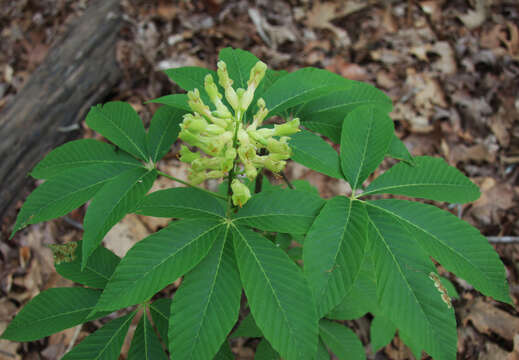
362, 296
398, 150
177, 101
333, 251
430, 178
406, 294
145, 343
65, 192
278, 295
115, 199
119, 123
264, 351
287, 211
313, 152
98, 270
302, 86
157, 261
206, 305
105, 343
341, 340
322, 352
181, 203
459, 247
51, 311
382, 331
326, 114
366, 134
159, 311
80, 153
163, 131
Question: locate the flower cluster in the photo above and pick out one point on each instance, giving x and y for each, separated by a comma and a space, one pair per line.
222, 135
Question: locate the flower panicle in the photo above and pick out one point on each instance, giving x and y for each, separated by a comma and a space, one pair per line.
212, 131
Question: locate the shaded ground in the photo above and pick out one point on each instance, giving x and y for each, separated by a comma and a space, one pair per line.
451, 68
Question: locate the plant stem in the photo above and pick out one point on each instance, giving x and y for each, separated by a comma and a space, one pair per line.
191, 185
232, 172
289, 184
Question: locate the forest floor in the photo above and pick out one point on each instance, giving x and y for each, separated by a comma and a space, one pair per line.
451, 68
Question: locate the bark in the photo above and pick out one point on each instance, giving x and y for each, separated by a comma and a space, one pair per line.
79, 71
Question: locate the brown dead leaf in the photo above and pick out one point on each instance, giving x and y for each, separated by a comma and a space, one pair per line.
495, 199
320, 17
478, 153
125, 234
475, 18
489, 319
167, 10
346, 69
502, 38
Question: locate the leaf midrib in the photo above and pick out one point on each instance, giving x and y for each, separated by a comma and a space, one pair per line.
130, 140
431, 235
365, 150
154, 267
112, 338
174, 206
330, 275
213, 283
385, 188
287, 322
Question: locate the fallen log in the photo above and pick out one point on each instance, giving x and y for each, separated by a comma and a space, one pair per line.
79, 71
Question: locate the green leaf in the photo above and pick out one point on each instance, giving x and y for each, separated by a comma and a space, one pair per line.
181, 203
119, 123
264, 351
105, 343
406, 294
313, 152
326, 114
430, 178
51, 311
302, 86
304, 185
382, 331
80, 153
333, 251
366, 134
288, 211
278, 295
163, 131
239, 64
115, 199
341, 340
398, 150
247, 328
157, 261
206, 306
190, 77
225, 352
65, 192
159, 311
177, 101
145, 343
362, 297
98, 270
459, 247
322, 352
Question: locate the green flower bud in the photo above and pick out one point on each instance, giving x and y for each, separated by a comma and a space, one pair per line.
189, 137
196, 124
196, 178
230, 153
260, 115
277, 147
256, 74
226, 82
240, 193
214, 129
187, 155
287, 128
250, 171
215, 174
274, 166
196, 104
